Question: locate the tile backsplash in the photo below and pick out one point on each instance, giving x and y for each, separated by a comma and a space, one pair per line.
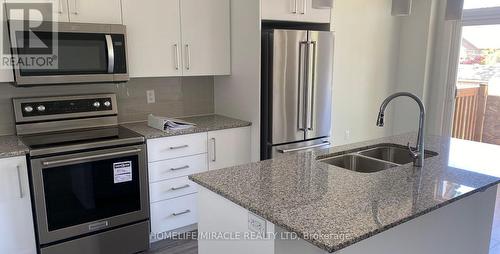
174, 97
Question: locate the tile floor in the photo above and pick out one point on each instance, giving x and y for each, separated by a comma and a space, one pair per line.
495, 234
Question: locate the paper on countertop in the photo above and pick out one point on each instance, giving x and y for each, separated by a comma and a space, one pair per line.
168, 123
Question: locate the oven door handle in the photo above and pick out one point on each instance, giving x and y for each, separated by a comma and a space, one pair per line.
87, 158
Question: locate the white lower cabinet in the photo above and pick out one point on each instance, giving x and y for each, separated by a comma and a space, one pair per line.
228, 147
17, 233
173, 159
173, 213
171, 189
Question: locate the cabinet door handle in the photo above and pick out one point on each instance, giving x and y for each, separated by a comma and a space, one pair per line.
178, 147
75, 7
180, 168
295, 7
20, 182
60, 6
181, 213
214, 150
304, 7
188, 57
176, 57
180, 187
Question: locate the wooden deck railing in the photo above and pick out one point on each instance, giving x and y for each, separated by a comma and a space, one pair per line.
470, 106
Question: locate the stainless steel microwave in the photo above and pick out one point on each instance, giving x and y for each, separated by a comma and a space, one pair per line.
64, 53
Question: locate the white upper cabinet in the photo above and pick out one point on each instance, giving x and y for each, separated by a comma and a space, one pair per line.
59, 10
279, 9
6, 73
230, 147
95, 11
178, 37
17, 233
294, 10
153, 37
85, 11
206, 37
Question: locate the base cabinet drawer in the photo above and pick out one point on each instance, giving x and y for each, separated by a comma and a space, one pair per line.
168, 169
173, 213
173, 188
178, 146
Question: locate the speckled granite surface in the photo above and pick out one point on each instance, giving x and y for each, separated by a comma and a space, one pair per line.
333, 208
11, 146
203, 124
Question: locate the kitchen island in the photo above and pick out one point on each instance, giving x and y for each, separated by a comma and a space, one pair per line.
299, 204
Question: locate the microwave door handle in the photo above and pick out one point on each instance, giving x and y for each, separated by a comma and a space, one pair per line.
111, 53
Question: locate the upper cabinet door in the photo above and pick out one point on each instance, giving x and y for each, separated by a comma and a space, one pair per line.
153, 37
280, 9
307, 13
294, 10
58, 10
206, 37
95, 11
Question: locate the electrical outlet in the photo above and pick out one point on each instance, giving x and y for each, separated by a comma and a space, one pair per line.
150, 94
256, 223
347, 135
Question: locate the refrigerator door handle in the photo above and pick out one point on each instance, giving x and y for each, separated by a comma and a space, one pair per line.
302, 93
311, 80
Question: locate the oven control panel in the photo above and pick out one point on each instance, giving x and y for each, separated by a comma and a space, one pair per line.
45, 108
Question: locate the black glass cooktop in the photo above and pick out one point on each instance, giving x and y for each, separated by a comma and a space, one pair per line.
80, 137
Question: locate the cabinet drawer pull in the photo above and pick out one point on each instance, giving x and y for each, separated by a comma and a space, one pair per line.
214, 149
180, 168
181, 213
295, 8
180, 188
178, 147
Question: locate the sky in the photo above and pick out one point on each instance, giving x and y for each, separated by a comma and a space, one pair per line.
473, 4
483, 37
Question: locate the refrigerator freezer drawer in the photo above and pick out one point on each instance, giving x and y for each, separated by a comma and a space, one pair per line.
300, 147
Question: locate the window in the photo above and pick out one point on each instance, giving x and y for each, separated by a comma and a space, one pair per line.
478, 4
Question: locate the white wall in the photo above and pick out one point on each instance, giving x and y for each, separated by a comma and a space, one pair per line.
238, 95
413, 70
366, 59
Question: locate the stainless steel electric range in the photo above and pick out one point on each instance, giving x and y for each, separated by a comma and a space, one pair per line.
88, 176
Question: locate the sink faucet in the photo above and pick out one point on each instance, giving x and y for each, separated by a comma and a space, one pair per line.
418, 152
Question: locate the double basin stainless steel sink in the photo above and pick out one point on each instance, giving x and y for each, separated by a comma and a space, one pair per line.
374, 159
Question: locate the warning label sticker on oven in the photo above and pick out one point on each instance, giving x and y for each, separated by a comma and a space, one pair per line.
122, 171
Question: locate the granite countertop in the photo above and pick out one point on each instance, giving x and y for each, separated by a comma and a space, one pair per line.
11, 146
333, 208
203, 124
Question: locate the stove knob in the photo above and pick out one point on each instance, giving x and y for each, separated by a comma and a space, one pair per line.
97, 104
107, 104
28, 109
41, 108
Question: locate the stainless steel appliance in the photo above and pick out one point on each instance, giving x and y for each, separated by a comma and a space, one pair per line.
88, 176
72, 53
297, 68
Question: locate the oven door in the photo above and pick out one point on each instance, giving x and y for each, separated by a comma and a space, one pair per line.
72, 53
87, 192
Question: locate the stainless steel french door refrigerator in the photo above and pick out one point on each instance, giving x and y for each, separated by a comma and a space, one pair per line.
296, 103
